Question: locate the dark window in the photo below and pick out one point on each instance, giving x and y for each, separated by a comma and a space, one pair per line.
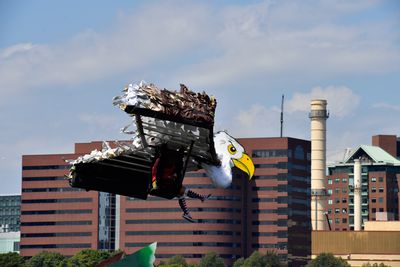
47, 167
52, 178
57, 234
373, 189
80, 245
299, 152
57, 200
381, 200
270, 153
381, 209
381, 179
59, 189
373, 200
44, 212
381, 190
56, 223
344, 220
373, 210
162, 221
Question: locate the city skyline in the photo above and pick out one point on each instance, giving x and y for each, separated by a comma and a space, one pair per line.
60, 66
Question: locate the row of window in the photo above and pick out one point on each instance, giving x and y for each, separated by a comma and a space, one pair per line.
266, 199
57, 189
279, 245
280, 211
56, 234
57, 200
197, 232
44, 246
351, 200
272, 153
344, 180
187, 244
56, 223
178, 221
47, 167
50, 178
46, 212
230, 210
12, 202
8, 212
279, 222
279, 234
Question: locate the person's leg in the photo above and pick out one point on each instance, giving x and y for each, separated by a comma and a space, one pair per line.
193, 194
186, 214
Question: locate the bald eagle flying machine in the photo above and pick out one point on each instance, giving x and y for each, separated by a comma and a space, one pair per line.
173, 134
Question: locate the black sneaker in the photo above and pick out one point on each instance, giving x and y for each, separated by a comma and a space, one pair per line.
187, 217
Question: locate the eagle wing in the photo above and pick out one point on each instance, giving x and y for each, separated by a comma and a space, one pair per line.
181, 121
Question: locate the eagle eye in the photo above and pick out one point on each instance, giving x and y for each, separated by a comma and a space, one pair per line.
232, 149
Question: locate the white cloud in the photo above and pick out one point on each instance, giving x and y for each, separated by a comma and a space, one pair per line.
342, 101
149, 36
382, 105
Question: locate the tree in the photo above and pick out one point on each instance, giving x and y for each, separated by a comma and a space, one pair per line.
257, 259
47, 259
375, 265
327, 260
271, 259
88, 258
212, 259
175, 261
239, 262
11, 259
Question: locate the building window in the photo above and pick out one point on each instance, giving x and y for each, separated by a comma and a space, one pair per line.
337, 190
329, 211
381, 209
330, 202
337, 200
373, 179
330, 221
337, 220
381, 179
337, 180
373, 189
344, 190
329, 181
373, 200
329, 192
373, 210
344, 210
381, 189
299, 153
344, 200
344, 220
337, 210
381, 200
344, 180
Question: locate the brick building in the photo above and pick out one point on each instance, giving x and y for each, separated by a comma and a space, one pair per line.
380, 184
272, 212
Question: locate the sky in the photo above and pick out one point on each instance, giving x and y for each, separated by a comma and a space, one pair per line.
62, 62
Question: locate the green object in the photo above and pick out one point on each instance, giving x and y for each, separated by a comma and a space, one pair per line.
141, 258
328, 260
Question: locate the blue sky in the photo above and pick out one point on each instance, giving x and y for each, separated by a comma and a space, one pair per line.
61, 63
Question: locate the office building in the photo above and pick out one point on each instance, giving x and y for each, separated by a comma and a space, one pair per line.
272, 212
9, 213
56, 217
380, 174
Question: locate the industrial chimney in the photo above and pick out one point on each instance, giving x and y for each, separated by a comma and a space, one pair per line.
357, 195
318, 116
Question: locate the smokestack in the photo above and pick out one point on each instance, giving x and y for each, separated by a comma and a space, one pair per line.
357, 195
318, 116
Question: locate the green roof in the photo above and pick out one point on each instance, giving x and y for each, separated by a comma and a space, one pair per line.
377, 154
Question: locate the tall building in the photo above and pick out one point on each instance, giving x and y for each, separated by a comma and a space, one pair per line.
380, 174
10, 213
272, 212
55, 216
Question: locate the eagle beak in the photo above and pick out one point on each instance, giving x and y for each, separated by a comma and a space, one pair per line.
245, 164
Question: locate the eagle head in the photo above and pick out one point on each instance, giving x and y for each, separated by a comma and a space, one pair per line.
232, 156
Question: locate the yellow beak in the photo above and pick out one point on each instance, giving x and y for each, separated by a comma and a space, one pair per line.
245, 164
